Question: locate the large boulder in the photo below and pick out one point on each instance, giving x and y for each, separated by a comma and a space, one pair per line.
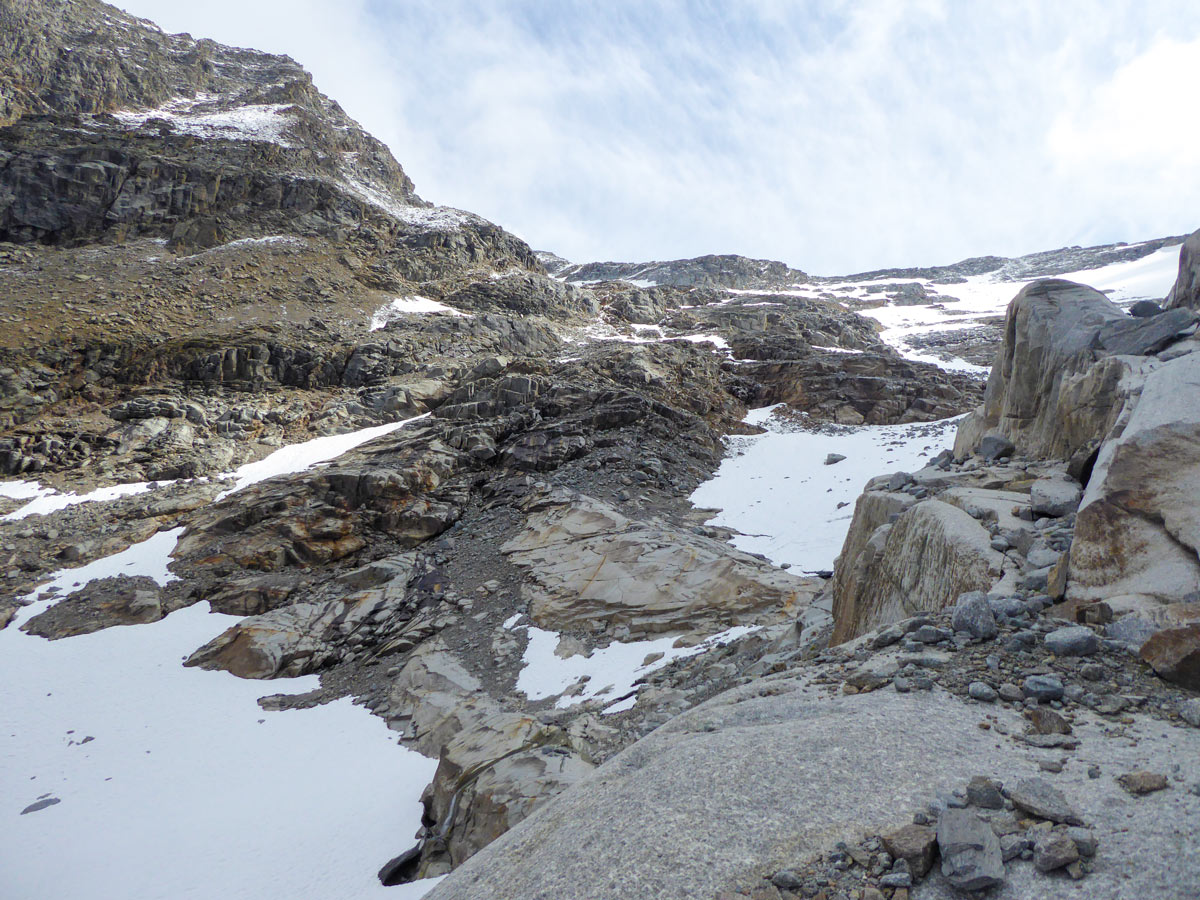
1041, 395
1186, 291
1137, 534
921, 562
593, 568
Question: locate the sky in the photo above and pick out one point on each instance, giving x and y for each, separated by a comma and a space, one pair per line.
836, 136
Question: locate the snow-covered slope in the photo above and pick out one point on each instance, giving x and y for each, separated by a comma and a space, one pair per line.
127, 775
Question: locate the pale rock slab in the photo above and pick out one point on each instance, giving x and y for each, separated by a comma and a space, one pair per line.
593, 568
922, 562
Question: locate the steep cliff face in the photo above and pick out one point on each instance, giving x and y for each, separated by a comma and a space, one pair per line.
116, 130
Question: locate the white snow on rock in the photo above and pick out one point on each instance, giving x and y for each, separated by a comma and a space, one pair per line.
166, 782
255, 122
298, 457
981, 297
775, 490
173, 783
610, 671
715, 339
414, 304
48, 500
149, 558
441, 218
23, 490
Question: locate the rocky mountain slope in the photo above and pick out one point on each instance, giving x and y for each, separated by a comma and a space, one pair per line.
266, 412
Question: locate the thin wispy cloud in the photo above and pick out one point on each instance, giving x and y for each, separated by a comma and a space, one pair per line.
836, 136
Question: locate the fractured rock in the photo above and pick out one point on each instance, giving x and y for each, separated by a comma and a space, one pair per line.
915, 844
596, 568
1174, 653
971, 856
1054, 850
1038, 797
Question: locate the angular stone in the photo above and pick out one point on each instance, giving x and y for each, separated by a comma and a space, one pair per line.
1047, 721
1044, 687
1039, 798
1174, 653
1142, 782
971, 856
993, 447
1053, 851
1189, 711
915, 845
1055, 497
973, 614
1073, 640
929, 555
985, 793
1085, 841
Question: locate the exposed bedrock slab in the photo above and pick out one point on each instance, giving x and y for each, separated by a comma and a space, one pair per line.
593, 568
765, 775
921, 562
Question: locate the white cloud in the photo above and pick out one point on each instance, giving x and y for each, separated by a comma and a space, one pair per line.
834, 135
1138, 117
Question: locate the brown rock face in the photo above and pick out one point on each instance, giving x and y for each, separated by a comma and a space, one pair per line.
1138, 530
932, 553
914, 843
1175, 655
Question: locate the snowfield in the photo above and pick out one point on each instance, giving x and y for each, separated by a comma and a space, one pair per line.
775, 489
981, 298
414, 304
127, 775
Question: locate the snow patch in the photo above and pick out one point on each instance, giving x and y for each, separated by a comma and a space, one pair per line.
610, 671
48, 500
298, 457
174, 783
413, 304
255, 122
775, 490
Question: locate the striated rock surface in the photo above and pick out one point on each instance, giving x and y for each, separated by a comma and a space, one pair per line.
595, 570
1034, 396
1138, 529
922, 561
